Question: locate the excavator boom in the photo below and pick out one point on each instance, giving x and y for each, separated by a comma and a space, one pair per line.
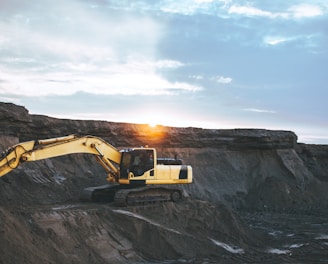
106, 154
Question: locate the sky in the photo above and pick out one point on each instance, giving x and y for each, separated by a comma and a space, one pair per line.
216, 64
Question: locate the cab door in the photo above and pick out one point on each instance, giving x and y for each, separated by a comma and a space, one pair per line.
138, 163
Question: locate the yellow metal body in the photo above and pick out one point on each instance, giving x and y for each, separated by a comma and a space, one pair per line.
137, 165
162, 174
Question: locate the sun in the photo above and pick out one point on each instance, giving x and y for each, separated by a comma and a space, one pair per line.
155, 119
152, 124
151, 119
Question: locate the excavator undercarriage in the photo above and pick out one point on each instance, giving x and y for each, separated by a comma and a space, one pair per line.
125, 195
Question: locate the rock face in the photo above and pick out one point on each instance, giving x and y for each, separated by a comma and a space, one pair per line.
240, 169
251, 168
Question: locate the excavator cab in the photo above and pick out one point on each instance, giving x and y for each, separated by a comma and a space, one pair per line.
137, 163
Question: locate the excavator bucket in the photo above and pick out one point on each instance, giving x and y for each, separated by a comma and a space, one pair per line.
12, 157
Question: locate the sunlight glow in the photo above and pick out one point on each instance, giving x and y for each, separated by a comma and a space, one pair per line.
153, 125
152, 119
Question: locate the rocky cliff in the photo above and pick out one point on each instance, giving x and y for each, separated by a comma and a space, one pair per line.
251, 170
247, 168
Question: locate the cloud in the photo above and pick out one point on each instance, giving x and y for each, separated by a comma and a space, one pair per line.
168, 64
257, 110
310, 42
275, 40
203, 1
80, 36
229, 7
196, 77
295, 11
305, 10
10, 100
187, 7
69, 79
253, 11
74, 49
222, 79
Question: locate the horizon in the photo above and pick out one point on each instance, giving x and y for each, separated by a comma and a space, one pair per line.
212, 64
155, 127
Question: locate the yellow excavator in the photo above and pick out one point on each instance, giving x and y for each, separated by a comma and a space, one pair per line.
135, 175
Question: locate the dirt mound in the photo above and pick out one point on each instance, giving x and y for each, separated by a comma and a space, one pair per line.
187, 232
99, 233
191, 229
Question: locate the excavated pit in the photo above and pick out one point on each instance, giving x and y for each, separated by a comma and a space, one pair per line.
258, 197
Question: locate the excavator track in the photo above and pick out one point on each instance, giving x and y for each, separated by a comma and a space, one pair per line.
104, 193
146, 195
125, 195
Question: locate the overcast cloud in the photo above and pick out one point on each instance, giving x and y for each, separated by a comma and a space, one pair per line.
204, 63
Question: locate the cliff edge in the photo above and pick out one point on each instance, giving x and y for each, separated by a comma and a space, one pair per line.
245, 168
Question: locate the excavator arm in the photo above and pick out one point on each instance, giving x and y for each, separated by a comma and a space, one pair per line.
108, 156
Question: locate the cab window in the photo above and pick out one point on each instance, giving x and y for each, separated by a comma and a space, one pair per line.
137, 161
